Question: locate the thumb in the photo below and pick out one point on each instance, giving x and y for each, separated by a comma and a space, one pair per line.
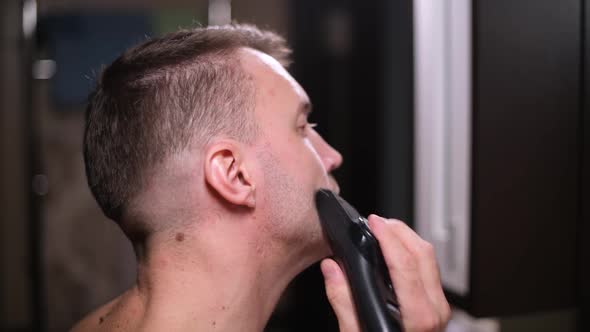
339, 295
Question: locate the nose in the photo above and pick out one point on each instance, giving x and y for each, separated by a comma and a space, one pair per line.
331, 158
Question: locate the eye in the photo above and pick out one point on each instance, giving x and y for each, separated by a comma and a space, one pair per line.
304, 127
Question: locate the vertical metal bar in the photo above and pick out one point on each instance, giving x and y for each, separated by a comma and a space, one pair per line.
584, 183
33, 164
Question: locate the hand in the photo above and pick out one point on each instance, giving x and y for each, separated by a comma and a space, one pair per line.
415, 276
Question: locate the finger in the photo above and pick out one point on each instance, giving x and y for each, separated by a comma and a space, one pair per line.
339, 296
427, 265
417, 310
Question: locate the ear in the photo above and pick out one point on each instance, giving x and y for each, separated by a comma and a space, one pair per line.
227, 174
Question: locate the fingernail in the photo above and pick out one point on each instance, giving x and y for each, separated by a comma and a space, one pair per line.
377, 218
328, 270
374, 221
372, 215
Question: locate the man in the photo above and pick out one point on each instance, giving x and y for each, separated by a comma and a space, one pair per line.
197, 144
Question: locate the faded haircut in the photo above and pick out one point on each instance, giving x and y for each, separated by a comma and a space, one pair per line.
166, 95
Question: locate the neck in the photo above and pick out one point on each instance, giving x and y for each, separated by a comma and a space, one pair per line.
199, 280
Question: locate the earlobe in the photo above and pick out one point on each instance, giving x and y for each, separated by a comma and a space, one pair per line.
227, 174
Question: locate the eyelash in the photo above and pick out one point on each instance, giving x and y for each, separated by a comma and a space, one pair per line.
310, 125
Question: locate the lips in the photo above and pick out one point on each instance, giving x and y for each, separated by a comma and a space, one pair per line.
333, 185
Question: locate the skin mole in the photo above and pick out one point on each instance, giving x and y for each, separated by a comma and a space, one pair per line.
179, 237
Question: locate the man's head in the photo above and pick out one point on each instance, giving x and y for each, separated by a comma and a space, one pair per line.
205, 120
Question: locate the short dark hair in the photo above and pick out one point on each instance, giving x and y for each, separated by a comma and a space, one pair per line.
163, 96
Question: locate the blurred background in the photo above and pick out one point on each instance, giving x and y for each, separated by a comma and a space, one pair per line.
468, 119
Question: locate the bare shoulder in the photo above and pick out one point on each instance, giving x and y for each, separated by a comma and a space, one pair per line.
94, 320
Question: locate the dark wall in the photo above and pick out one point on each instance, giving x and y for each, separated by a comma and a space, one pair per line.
355, 61
526, 155
396, 121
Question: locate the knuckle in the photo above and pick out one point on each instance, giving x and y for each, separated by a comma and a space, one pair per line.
427, 323
333, 295
446, 314
432, 323
396, 226
396, 223
427, 249
336, 296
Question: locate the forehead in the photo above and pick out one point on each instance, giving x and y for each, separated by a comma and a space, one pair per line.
270, 76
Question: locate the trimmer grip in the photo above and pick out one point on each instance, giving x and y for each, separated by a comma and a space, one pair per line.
357, 251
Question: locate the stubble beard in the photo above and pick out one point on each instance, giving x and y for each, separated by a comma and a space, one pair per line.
292, 218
